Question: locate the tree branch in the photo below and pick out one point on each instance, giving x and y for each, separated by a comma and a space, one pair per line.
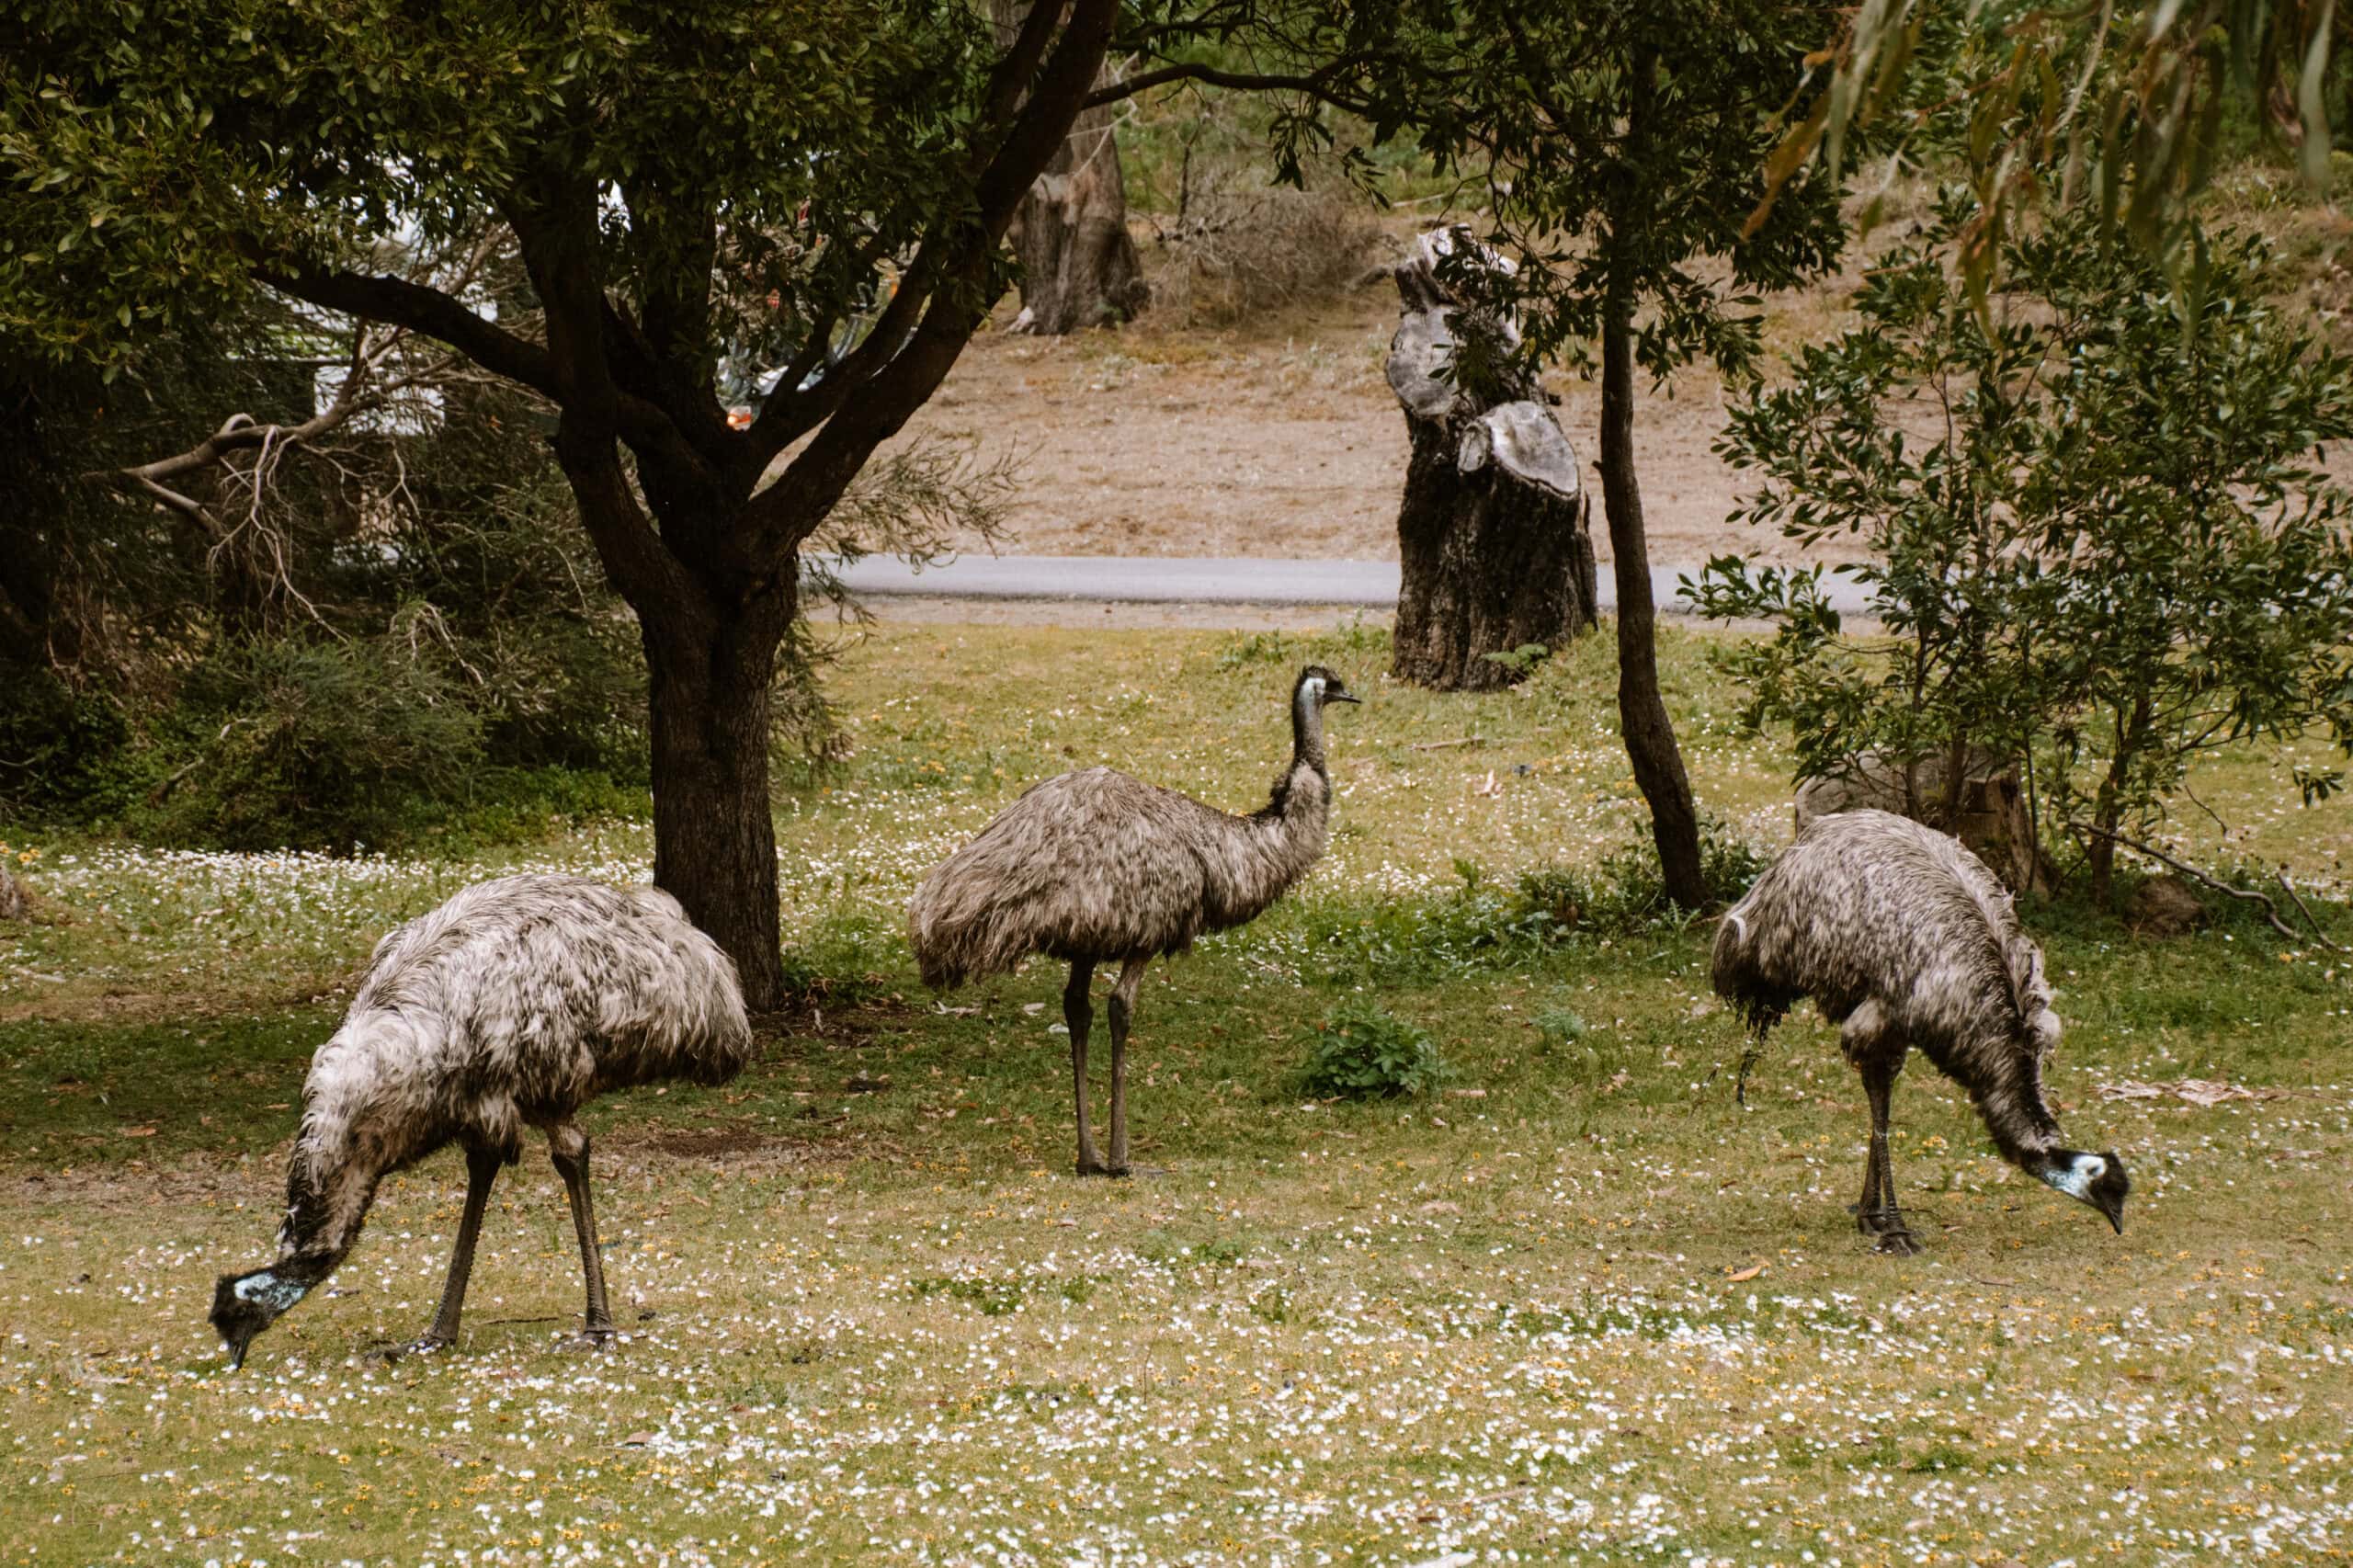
1316, 83
863, 410
422, 310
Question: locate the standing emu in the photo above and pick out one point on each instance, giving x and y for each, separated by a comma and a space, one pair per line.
1096, 866
513, 1005
1903, 938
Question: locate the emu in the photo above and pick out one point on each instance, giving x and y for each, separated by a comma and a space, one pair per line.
1096, 866
1904, 938
513, 1005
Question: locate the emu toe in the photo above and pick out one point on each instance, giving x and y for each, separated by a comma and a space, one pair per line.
1899, 1242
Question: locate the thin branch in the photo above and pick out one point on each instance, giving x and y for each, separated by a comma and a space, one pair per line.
2310, 917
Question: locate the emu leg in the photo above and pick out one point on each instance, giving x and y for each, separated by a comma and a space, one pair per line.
1879, 1215
1078, 1013
1123, 1001
568, 1148
481, 1169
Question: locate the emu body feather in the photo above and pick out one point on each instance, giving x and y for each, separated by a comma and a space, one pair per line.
510, 1007
1904, 938
1096, 866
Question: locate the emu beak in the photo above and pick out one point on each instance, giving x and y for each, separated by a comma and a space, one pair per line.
237, 1357
1344, 697
2115, 1212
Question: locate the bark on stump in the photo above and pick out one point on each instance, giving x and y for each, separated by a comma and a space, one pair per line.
1493, 533
1991, 819
13, 903
1079, 267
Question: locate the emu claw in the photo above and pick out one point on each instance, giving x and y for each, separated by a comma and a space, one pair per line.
1899, 1242
590, 1338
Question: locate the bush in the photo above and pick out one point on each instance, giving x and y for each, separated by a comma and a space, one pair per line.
308, 743
2112, 550
1362, 1052
1236, 253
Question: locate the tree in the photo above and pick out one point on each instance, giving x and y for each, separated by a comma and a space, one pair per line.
681, 180
1622, 142
2100, 539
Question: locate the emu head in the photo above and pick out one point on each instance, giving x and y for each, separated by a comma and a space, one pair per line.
245, 1304
1320, 687
2097, 1180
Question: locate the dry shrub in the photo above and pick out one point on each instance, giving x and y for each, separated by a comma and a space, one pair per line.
1234, 253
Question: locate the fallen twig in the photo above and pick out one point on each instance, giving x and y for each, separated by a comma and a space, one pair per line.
1442, 745
2246, 895
2310, 918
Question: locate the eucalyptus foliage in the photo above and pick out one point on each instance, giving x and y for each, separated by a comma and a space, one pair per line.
2101, 541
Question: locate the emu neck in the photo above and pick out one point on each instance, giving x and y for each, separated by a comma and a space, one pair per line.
2015, 1113
1306, 730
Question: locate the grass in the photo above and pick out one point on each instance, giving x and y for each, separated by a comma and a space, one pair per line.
1573, 1304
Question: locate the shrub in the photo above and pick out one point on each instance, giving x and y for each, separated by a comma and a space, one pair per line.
309, 743
1360, 1052
1234, 253
2099, 541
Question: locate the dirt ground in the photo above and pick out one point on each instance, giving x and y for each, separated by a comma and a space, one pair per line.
1281, 439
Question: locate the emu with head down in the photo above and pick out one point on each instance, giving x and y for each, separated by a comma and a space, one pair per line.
1904, 938
511, 1005
1096, 866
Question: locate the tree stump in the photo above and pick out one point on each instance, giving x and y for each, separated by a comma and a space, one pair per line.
1992, 820
15, 904
1079, 267
1492, 531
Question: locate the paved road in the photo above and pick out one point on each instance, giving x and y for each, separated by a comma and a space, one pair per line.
1192, 580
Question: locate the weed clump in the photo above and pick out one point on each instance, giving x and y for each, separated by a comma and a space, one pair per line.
1628, 891
1361, 1052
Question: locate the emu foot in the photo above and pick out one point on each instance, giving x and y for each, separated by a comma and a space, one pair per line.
1897, 1242
1088, 1166
593, 1337
387, 1351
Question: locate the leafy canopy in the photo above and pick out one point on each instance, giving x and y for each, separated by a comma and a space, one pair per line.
156, 152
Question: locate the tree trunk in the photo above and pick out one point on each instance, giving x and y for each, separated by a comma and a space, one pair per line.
1079, 267
1492, 533
1642, 710
715, 836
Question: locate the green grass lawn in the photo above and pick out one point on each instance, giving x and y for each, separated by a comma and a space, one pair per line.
1575, 1306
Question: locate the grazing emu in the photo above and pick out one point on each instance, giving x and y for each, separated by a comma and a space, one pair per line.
514, 1003
1903, 938
1096, 866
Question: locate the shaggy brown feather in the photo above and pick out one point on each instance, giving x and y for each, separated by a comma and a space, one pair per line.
1904, 938
1096, 866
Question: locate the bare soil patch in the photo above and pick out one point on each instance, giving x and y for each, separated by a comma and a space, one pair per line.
1281, 439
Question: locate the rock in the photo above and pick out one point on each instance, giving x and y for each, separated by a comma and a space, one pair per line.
2165, 906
